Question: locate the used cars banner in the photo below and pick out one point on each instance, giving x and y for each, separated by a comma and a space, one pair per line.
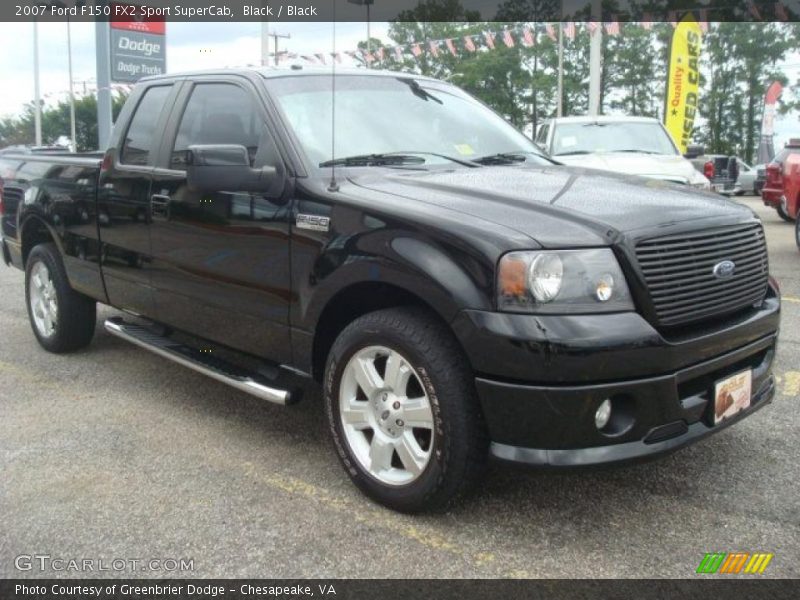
683, 79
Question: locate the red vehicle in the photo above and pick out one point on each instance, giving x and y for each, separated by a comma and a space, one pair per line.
782, 187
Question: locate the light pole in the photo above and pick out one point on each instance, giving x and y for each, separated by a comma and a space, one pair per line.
366, 3
37, 93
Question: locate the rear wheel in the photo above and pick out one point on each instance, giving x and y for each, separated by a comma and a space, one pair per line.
797, 232
62, 319
783, 211
403, 411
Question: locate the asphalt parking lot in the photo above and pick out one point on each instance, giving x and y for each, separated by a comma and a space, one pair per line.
115, 453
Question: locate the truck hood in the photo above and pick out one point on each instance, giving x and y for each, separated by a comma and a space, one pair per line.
556, 205
658, 166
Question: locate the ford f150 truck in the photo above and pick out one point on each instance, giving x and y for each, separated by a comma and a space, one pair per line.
455, 293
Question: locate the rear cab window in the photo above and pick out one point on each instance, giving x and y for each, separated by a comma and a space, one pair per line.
141, 138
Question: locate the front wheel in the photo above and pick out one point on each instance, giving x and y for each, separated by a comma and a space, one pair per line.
403, 411
62, 319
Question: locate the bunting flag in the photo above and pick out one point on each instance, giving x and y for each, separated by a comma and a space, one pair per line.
450, 46
591, 26
398, 53
416, 50
434, 46
507, 39
647, 21
321, 57
780, 11
469, 44
527, 37
368, 57
751, 6
569, 30
612, 28
379, 53
489, 37
551, 33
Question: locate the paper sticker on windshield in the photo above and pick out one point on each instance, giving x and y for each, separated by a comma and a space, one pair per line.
464, 149
568, 141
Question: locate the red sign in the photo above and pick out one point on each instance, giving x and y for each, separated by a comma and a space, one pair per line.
132, 18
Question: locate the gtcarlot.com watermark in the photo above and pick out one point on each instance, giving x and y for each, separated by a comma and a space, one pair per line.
46, 562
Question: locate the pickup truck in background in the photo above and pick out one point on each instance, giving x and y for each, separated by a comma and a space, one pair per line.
721, 170
781, 189
620, 144
455, 293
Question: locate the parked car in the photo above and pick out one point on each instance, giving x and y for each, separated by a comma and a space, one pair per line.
720, 169
761, 178
782, 187
630, 145
746, 182
453, 292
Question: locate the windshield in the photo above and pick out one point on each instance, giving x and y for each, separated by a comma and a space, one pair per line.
377, 115
615, 136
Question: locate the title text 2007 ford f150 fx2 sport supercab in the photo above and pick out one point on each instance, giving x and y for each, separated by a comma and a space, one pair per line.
456, 294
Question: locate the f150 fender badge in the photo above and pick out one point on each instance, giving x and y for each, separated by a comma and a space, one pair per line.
724, 269
313, 222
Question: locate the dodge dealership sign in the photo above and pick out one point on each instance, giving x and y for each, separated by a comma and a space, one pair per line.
137, 45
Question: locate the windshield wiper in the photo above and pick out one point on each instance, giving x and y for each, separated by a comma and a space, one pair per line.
405, 157
507, 158
636, 151
573, 153
373, 160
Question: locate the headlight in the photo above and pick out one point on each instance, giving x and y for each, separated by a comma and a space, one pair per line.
562, 281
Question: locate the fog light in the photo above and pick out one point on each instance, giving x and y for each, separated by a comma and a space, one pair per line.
603, 414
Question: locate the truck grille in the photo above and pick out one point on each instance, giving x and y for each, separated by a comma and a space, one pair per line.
679, 272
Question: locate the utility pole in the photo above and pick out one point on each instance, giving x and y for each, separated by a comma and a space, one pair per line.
37, 93
264, 39
71, 91
560, 106
275, 37
595, 58
102, 51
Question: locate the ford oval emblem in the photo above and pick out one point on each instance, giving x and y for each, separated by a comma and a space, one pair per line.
724, 269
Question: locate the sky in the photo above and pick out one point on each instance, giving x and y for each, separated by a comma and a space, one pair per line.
193, 46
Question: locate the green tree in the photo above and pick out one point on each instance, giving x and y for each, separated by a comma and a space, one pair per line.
56, 122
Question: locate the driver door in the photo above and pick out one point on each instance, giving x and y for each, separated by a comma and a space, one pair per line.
221, 259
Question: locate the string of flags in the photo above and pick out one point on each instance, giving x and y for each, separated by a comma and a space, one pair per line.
526, 36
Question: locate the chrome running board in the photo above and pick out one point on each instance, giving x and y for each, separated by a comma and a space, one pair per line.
187, 356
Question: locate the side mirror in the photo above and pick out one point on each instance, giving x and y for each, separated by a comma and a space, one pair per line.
693, 151
225, 167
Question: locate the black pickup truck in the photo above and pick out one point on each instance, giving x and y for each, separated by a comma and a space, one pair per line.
456, 294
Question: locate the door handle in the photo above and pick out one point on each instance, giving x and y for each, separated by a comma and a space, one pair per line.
159, 205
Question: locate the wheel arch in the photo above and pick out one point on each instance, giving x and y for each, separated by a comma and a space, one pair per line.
35, 231
354, 301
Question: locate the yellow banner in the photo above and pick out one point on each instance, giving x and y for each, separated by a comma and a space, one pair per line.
683, 79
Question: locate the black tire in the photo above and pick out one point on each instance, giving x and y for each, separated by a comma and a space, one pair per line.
781, 208
797, 233
460, 442
76, 315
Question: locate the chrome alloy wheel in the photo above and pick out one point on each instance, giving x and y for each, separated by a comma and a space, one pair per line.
386, 415
42, 296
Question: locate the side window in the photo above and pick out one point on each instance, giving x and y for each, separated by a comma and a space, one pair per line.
141, 135
217, 113
541, 137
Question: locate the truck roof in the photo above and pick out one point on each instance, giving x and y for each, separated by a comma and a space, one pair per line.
292, 71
